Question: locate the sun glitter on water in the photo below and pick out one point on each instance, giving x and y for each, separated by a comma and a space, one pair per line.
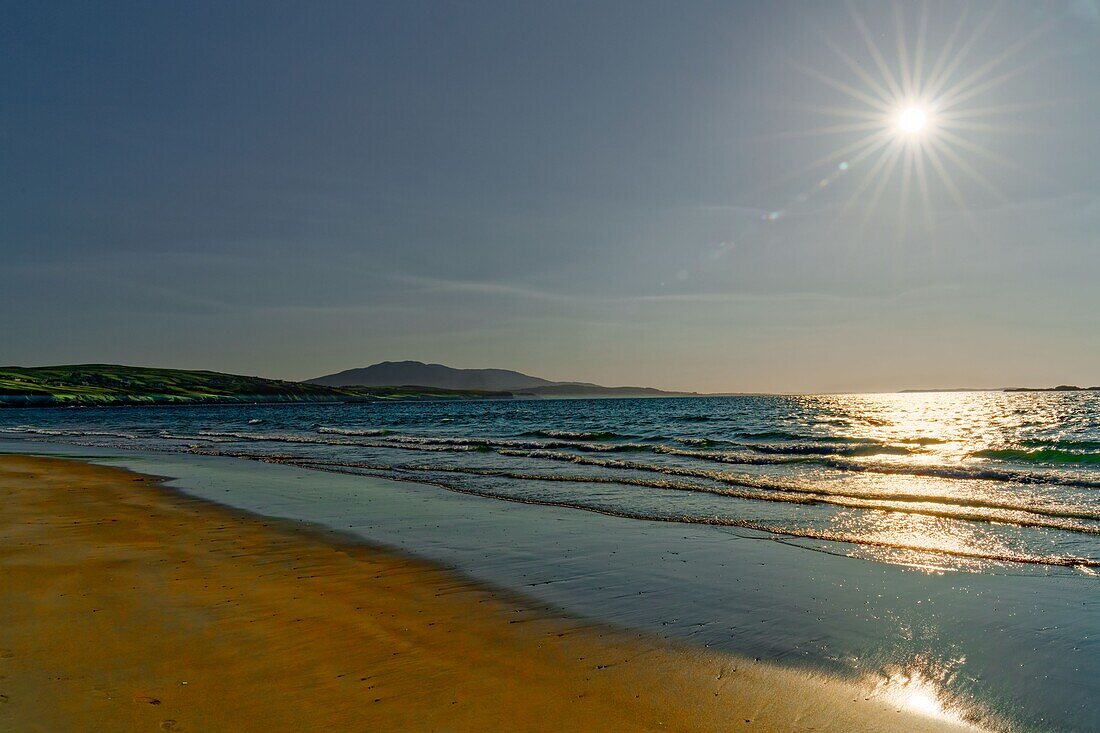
912, 690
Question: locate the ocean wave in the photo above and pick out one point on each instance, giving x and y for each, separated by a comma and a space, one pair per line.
187, 436
569, 451
696, 441
805, 447
766, 484
766, 454
352, 431
1019, 515
769, 435
424, 442
796, 437
577, 435
318, 440
1072, 561
963, 472
1041, 455
1080, 445
823, 449
494, 443
32, 430
727, 457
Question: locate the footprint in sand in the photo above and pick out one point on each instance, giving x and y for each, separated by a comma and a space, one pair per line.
171, 726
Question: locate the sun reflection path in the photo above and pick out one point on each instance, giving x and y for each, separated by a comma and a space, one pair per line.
955, 516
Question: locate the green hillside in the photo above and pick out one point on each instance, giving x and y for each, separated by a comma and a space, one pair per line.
110, 384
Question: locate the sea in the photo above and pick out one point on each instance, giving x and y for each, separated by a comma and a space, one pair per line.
954, 481
829, 519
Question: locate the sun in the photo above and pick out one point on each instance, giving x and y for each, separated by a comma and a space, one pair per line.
913, 120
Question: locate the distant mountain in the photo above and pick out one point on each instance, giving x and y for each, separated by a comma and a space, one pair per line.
416, 373
113, 384
400, 373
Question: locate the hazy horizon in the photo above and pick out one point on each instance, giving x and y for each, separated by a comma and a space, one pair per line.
620, 193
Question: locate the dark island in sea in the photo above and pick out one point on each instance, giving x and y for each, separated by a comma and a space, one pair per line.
1059, 388
112, 384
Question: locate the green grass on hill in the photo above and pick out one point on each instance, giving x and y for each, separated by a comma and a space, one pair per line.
109, 384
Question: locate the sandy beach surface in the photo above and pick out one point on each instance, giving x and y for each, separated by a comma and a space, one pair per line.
125, 606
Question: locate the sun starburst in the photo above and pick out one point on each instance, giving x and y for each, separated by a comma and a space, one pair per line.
913, 113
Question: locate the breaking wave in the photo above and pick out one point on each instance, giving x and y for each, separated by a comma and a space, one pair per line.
31, 430
1041, 455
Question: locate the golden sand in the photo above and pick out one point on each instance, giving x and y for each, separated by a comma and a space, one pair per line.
125, 606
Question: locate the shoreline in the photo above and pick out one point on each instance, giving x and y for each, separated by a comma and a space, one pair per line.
154, 588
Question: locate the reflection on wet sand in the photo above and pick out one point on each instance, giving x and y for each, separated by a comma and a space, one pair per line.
126, 607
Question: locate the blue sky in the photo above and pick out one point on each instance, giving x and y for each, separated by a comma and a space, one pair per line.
611, 192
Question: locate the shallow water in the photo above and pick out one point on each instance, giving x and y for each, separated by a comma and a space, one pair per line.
941, 481
1012, 651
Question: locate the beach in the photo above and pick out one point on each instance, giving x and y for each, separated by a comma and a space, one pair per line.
544, 366
129, 606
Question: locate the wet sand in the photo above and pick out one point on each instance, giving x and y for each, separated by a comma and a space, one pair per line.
127, 606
